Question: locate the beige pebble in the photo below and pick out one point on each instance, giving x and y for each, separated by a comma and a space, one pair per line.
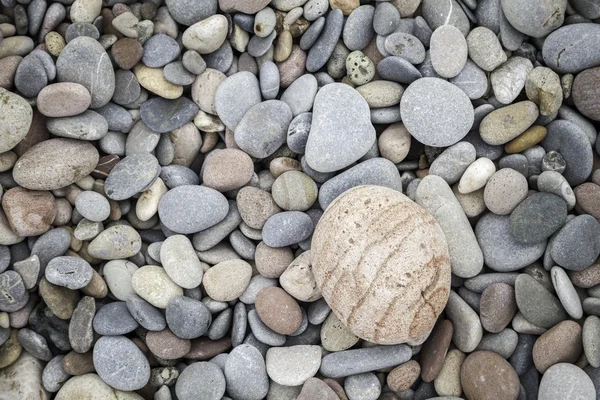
505, 190
280, 165
335, 336
477, 175
153, 80
473, 203
394, 143
147, 205
298, 279
7, 161
153, 284
85, 10
227, 169
381, 93
208, 123
55, 43
271, 262
204, 89
283, 46
294, 191
227, 280
207, 35
63, 99
447, 383
187, 142
256, 206
180, 261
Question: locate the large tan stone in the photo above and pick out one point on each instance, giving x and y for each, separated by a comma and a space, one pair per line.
381, 262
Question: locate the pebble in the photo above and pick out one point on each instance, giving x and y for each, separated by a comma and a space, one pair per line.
467, 327
448, 51
509, 79
120, 363
398, 69
74, 99
543, 87
166, 345
536, 218
70, 272
452, 108
574, 248
15, 295
286, 228
83, 54
315, 388
536, 303
114, 319
145, 314
330, 128
119, 241
562, 343
386, 18
201, 380
153, 80
504, 342
485, 372
476, 175
292, 366
506, 123
17, 115
565, 379
358, 29
323, 47
127, 52
245, 373
272, 116
153, 284
351, 362
485, 49
363, 386
505, 190
497, 307
230, 106
81, 332
227, 280
472, 80
590, 340
584, 93
564, 53
370, 197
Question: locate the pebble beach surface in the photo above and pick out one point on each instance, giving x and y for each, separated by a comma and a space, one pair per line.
299, 199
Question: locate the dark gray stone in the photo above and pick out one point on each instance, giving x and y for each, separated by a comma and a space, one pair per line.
322, 49
239, 324
258, 46
131, 175
117, 117
148, 316
30, 77
220, 59
262, 332
35, 344
81, 332
536, 303
537, 217
522, 358
177, 74
51, 244
178, 175
163, 115
221, 325
298, 130
187, 318
576, 245
114, 319
127, 88
397, 69
358, 29
311, 35
351, 362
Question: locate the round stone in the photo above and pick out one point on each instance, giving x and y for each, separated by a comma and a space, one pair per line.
92, 206
504, 124
120, 363
537, 18
180, 261
286, 228
127, 52
227, 280
564, 380
485, 372
153, 284
448, 51
562, 343
576, 247
187, 318
365, 386
207, 35
537, 217
585, 93
427, 274
246, 374
227, 169
160, 50
504, 191
497, 307
201, 380
70, 272
118, 241
63, 99
485, 49
45, 167
340, 118
114, 319
236, 95
293, 365
13, 295
572, 48
188, 209
167, 114
166, 345
536, 303
278, 310
435, 112
294, 191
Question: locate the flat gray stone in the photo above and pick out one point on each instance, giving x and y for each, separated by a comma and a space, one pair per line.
322, 49
160, 50
188, 12
536, 303
70, 272
453, 162
262, 332
190, 209
535, 18
148, 316
54, 374
164, 115
131, 175
246, 374
442, 12
341, 118
88, 125
537, 217
566, 381
114, 319
435, 112
239, 324
235, 96
120, 363
386, 18
472, 80
35, 344
576, 245
448, 51
398, 69
591, 340
92, 206
407, 46
566, 292
81, 332
351, 362
358, 29
187, 318
300, 95
286, 228
178, 175
201, 380
467, 326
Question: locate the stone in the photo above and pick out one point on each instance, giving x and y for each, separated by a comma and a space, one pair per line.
562, 343
88, 125
292, 366
572, 48
536, 303
127, 52
227, 280
14, 295
564, 379
315, 388
448, 51
331, 224
434, 349
335, 336
17, 115
356, 361
74, 99
537, 217
120, 363
323, 47
585, 92
363, 386
543, 87
590, 336
497, 307
452, 110
230, 106
573, 247
201, 380
153, 284
263, 128
164, 115
438, 13
180, 262
436, 197
286, 228
42, 167
538, 19
23, 379
484, 372
153, 80
118, 241
70, 272
207, 35
472, 80
397, 69
505, 190
485, 49
114, 319
506, 123
92, 206
166, 345
86, 54
503, 343
187, 318
81, 333
278, 310
385, 19
467, 326
189, 209
54, 376
246, 374
29, 213
145, 314
476, 175
330, 127
358, 29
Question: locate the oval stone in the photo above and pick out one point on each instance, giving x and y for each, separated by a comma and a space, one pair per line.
371, 238
118, 241
153, 284
341, 119
70, 272
63, 99
188, 209
16, 116
573, 48
45, 167
485, 372
131, 175
436, 112
120, 363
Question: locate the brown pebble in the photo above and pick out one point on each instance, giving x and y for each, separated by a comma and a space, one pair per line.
227, 169
60, 300
314, 389
271, 262
403, 376
485, 375
29, 212
292, 68
105, 165
127, 52
204, 349
497, 307
588, 277
394, 143
347, 6
280, 165
97, 287
10, 350
256, 206
278, 310
560, 344
588, 199
165, 344
63, 99
433, 352
586, 93
336, 387
8, 69
526, 140
79, 363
